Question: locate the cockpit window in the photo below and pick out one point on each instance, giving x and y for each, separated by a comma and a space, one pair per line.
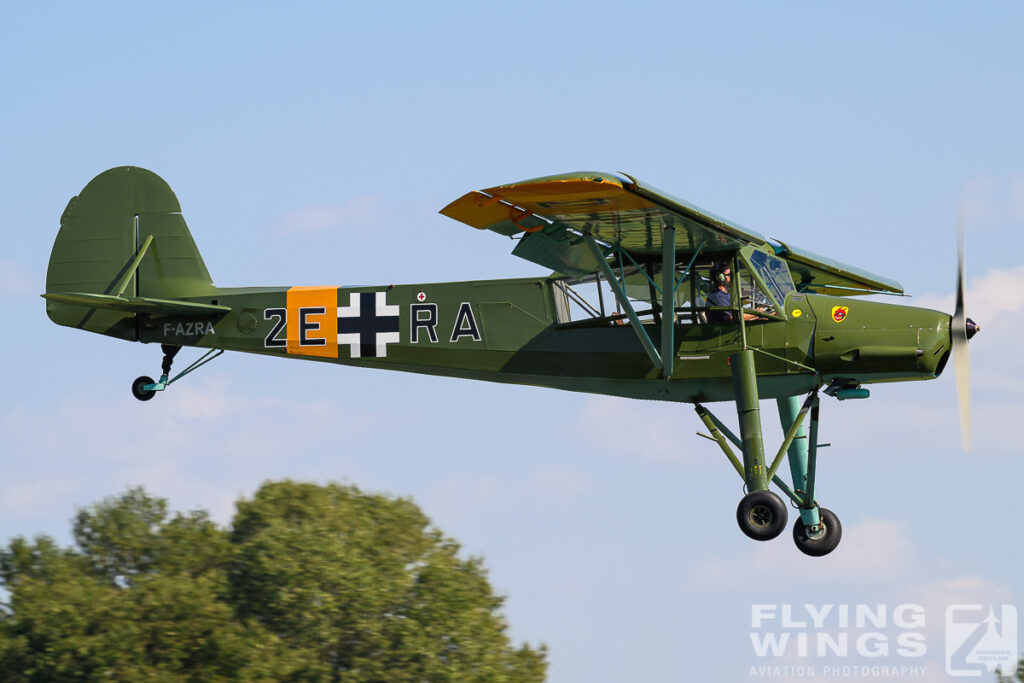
774, 272
752, 296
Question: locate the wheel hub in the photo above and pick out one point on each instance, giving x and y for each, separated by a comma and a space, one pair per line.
761, 516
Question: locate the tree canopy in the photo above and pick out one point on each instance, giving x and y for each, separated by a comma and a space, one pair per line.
309, 583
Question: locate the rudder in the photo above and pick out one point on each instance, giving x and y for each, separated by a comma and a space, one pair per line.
102, 230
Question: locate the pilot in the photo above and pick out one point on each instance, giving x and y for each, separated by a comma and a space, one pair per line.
720, 295
721, 280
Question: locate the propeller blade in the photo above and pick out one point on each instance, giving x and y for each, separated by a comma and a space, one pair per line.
958, 337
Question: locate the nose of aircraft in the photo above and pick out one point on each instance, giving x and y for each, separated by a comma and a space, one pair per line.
971, 328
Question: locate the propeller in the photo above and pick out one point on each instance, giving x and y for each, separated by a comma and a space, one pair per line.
961, 329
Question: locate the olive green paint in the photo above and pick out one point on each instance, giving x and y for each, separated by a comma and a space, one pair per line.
124, 264
523, 341
744, 375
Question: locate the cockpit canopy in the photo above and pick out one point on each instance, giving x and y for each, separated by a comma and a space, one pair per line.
762, 282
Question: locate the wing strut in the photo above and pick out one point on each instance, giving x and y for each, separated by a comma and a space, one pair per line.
668, 299
620, 296
669, 285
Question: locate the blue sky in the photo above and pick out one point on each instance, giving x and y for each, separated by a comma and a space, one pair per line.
315, 145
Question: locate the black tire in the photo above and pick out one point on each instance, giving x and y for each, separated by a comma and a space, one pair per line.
762, 515
139, 390
823, 545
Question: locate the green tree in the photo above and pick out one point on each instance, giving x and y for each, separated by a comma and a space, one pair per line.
309, 583
1018, 675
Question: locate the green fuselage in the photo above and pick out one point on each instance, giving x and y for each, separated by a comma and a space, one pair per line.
124, 264
512, 331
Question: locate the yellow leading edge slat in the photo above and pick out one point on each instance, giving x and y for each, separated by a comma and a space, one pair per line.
552, 199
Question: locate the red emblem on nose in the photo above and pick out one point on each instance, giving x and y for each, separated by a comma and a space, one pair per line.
839, 313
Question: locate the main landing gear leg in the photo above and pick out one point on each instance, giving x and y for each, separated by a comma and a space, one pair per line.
789, 410
818, 530
144, 388
761, 514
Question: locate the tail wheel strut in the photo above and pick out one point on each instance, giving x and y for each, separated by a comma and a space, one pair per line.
144, 388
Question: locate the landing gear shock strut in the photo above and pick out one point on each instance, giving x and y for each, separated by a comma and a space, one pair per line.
170, 351
761, 514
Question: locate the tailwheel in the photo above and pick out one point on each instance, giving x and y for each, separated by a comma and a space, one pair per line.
144, 388
820, 541
139, 390
762, 515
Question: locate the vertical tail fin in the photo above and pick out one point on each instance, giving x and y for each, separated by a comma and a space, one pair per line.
101, 232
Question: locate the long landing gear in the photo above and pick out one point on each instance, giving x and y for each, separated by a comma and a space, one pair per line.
144, 388
762, 514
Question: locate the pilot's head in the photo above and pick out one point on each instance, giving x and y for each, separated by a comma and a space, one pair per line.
721, 274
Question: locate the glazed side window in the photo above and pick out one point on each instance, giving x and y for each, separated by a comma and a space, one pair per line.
775, 274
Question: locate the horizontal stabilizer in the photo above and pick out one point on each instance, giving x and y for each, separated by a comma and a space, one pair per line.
136, 304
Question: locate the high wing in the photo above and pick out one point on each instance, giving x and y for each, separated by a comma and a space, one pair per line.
554, 212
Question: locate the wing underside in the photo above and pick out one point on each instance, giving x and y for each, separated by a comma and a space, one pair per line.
550, 215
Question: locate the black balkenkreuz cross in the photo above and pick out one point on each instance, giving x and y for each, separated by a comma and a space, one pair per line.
368, 324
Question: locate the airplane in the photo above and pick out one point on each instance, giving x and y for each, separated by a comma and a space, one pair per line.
649, 297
